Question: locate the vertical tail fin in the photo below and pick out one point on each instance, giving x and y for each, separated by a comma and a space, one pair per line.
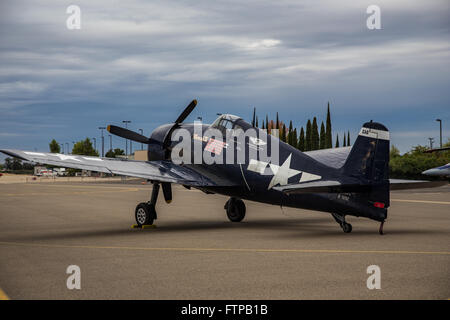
369, 161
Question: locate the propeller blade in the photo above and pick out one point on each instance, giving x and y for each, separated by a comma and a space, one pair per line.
128, 134
180, 119
186, 112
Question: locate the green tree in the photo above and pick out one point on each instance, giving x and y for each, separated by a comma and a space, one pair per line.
262, 127
411, 164
345, 141
348, 139
301, 140
277, 125
254, 114
256, 124
8, 163
267, 123
314, 135
337, 141
54, 146
323, 138
294, 138
308, 136
329, 142
84, 147
13, 164
290, 139
283, 133
394, 152
114, 153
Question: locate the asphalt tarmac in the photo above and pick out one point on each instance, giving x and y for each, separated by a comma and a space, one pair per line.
194, 252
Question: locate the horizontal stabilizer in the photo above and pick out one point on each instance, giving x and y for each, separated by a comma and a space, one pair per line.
322, 187
338, 187
398, 184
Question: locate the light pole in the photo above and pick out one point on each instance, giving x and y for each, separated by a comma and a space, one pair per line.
431, 142
110, 142
103, 141
126, 140
62, 145
142, 133
440, 132
95, 144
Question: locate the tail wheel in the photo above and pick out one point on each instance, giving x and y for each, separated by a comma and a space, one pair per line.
145, 213
346, 227
235, 209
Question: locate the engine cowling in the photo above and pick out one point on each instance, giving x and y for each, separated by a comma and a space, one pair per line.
156, 151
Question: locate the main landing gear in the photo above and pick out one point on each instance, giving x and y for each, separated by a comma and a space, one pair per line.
346, 227
235, 209
145, 212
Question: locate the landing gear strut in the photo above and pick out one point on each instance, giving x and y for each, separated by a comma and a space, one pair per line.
380, 230
235, 209
145, 212
346, 227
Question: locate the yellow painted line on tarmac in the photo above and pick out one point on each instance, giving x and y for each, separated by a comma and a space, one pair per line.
3, 295
421, 201
245, 250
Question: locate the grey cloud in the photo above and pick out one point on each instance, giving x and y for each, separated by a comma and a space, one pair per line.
232, 52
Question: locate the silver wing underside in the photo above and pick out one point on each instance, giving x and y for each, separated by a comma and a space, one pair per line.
164, 171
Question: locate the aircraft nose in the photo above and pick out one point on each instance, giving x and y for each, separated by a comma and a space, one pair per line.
430, 172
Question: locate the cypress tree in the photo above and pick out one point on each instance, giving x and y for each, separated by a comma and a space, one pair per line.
267, 123
337, 141
329, 142
308, 136
278, 123
301, 140
256, 125
290, 132
345, 141
314, 135
348, 139
294, 138
323, 137
254, 114
263, 125
283, 133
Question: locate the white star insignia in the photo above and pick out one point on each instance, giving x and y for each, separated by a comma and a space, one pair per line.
283, 173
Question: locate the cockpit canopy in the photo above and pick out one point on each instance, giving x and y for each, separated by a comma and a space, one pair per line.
229, 121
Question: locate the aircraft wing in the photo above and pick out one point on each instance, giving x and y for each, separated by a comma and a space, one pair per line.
164, 171
333, 186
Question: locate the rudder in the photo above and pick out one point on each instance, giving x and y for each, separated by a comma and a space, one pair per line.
369, 162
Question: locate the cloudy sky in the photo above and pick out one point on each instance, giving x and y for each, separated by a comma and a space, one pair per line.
145, 60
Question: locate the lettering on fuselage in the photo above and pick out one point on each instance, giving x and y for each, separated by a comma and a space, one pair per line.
207, 147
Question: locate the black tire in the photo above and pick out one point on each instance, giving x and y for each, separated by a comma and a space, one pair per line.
144, 214
347, 227
235, 209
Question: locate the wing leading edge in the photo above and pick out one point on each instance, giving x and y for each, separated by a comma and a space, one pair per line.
164, 171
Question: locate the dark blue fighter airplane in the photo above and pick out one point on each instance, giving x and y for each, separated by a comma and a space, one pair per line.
342, 181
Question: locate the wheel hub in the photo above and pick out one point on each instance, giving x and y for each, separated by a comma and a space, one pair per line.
141, 215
